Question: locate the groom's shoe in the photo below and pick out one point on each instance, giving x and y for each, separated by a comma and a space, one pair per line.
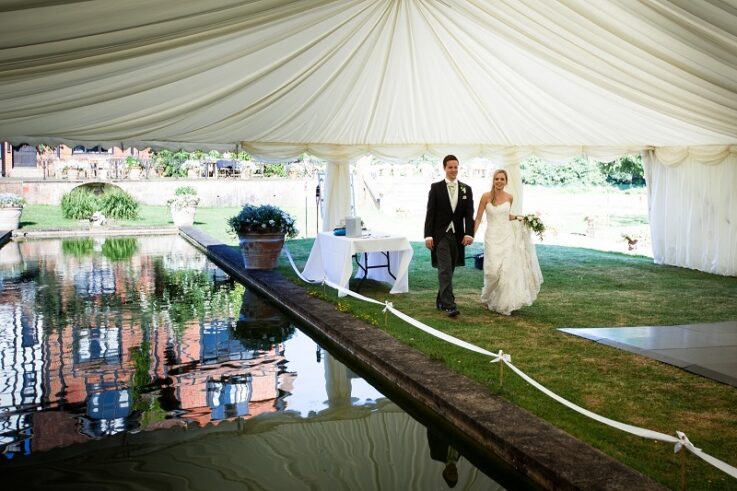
452, 311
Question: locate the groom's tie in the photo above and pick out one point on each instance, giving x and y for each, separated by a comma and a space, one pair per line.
453, 202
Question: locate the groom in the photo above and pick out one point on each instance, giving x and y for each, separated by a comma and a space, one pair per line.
448, 228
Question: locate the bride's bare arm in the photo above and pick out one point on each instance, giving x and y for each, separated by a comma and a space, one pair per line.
480, 213
511, 215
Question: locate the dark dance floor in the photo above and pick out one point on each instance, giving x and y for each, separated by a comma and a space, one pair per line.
709, 350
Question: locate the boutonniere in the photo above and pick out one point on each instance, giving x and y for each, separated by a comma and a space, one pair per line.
463, 191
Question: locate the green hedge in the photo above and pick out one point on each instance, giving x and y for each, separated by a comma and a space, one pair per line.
626, 171
80, 204
118, 204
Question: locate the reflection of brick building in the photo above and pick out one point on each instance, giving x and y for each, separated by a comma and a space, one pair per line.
76, 375
231, 381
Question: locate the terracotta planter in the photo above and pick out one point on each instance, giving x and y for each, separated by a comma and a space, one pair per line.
261, 251
10, 218
183, 217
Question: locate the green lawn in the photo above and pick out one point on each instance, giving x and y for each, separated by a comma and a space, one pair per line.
582, 288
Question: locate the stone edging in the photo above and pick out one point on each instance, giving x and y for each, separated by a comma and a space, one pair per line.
108, 232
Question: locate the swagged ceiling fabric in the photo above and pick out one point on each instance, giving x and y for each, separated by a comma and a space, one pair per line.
394, 78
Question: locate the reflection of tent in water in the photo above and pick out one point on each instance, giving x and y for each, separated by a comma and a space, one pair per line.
373, 445
350, 448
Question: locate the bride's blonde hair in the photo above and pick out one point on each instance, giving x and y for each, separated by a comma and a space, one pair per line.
493, 189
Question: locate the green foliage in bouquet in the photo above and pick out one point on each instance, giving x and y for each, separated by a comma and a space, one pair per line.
534, 223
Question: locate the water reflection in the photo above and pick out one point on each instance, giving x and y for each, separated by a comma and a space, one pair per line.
102, 343
99, 339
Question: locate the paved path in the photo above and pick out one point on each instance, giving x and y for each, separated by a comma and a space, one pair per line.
709, 350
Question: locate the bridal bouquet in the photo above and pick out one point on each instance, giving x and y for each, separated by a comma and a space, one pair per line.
534, 223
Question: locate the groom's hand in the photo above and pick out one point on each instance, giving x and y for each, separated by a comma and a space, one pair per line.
467, 240
429, 243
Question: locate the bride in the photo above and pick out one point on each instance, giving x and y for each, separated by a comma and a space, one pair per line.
512, 275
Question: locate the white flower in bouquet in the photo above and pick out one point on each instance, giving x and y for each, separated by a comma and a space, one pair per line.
534, 223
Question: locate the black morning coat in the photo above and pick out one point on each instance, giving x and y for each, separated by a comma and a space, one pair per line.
440, 213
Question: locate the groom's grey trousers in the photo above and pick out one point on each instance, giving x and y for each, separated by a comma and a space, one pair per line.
446, 251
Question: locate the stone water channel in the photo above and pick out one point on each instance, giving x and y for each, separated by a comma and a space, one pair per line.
136, 363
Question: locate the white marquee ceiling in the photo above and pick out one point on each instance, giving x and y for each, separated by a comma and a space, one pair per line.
277, 77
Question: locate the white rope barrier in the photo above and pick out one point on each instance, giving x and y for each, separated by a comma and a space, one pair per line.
681, 441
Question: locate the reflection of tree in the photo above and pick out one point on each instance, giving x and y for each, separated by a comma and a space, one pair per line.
189, 294
60, 303
261, 325
141, 358
120, 248
57, 309
77, 247
114, 248
141, 385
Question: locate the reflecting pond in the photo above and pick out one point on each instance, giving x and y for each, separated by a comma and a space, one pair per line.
136, 363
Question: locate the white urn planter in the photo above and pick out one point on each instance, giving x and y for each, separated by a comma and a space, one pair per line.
10, 218
183, 216
10, 255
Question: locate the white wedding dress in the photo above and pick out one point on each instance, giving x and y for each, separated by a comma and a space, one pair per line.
512, 275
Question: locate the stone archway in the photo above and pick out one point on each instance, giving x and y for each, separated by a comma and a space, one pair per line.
98, 187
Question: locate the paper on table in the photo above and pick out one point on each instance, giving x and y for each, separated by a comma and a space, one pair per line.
373, 235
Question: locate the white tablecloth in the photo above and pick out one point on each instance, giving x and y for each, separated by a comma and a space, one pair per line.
331, 257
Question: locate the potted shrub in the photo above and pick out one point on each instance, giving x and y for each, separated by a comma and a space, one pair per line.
261, 231
194, 168
183, 206
11, 206
134, 167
